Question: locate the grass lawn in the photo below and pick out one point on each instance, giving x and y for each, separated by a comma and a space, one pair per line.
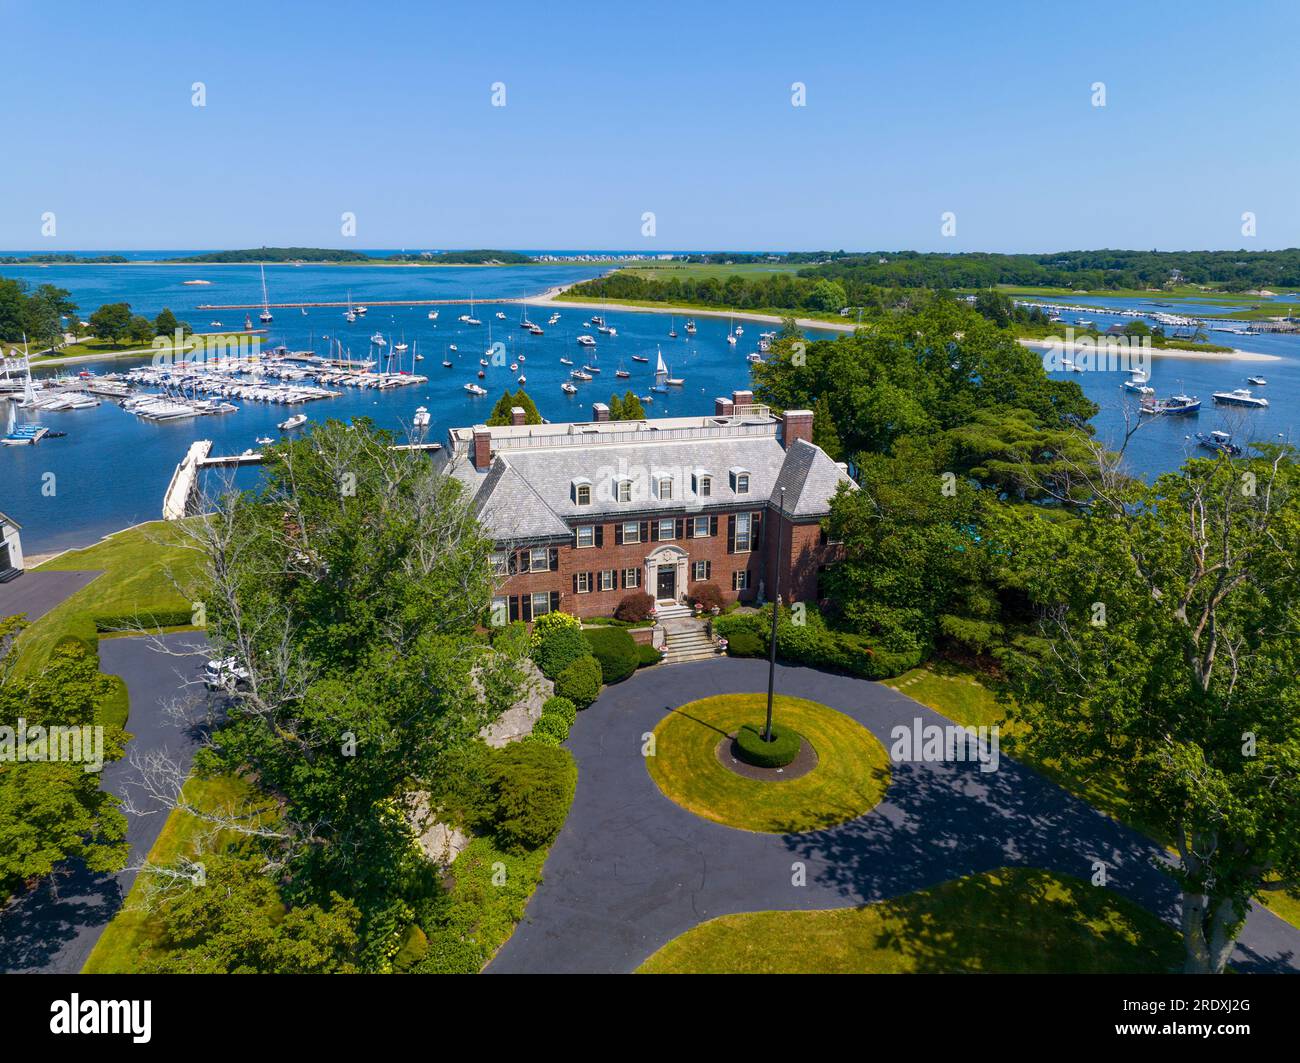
134, 932
138, 566
850, 778
1013, 920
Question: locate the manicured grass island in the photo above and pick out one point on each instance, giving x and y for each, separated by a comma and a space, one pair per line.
1008, 921
849, 779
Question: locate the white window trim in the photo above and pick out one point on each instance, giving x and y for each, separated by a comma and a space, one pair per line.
501, 563
696, 529
672, 529
546, 559
636, 524
748, 546
635, 583
546, 597
577, 538
584, 577
620, 487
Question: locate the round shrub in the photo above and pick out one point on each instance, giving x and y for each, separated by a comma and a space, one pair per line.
542, 738
744, 644
777, 753
556, 646
562, 707
638, 606
707, 596
614, 649
533, 784
580, 682
552, 724
647, 655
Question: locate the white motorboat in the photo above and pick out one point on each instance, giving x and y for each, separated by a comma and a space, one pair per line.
586, 341
296, 421
474, 389
378, 340
433, 315
421, 417
1258, 381
1240, 397
568, 388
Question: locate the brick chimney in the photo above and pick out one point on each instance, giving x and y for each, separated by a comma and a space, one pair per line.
742, 398
796, 424
518, 416
723, 407
482, 453
599, 411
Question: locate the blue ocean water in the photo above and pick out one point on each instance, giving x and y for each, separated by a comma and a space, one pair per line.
112, 468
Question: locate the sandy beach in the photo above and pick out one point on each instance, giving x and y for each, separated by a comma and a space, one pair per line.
1234, 355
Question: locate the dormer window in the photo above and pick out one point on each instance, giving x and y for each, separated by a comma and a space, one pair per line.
740, 481
623, 490
664, 486
702, 482
582, 491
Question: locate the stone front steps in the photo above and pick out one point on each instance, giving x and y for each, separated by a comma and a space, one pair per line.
672, 611
689, 644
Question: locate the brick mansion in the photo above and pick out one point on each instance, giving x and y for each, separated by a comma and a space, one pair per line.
583, 514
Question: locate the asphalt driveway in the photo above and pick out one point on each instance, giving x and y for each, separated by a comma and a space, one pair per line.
53, 928
36, 593
631, 870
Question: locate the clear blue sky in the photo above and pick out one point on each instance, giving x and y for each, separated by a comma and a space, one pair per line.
683, 109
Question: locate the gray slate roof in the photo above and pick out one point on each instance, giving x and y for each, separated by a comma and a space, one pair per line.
528, 493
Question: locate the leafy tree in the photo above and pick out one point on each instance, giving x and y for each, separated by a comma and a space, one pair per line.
1172, 646
165, 324
140, 329
44, 312
54, 811
507, 401
615, 408
111, 322
632, 409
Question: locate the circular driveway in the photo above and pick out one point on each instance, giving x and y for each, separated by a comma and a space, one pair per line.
631, 870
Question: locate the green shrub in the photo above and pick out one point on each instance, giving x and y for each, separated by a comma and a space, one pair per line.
532, 785
548, 623
461, 789
636, 606
81, 644
116, 705
815, 644
580, 682
562, 707
557, 646
784, 747
514, 639
552, 724
542, 738
148, 620
647, 655
745, 644
614, 649
707, 596
413, 949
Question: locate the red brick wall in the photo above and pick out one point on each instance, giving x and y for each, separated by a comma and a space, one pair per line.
611, 555
803, 553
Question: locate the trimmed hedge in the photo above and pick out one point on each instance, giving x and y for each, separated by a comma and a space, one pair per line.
580, 682
647, 655
814, 644
148, 619
562, 707
614, 649
532, 785
558, 644
784, 747
744, 644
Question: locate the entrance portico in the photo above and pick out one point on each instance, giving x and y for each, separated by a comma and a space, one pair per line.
665, 573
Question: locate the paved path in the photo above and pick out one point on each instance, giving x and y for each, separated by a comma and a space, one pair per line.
36, 593
631, 870
54, 928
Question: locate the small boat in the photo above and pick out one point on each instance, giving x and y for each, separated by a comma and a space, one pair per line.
646, 398
640, 358
566, 361
1084, 323
568, 388
586, 341
690, 327
304, 311
501, 315
590, 368
620, 372
1239, 397
265, 315
1258, 381
672, 328
401, 347
740, 330
1139, 386
447, 363
514, 367
536, 330
296, 421
754, 358
378, 340
421, 419
523, 358
484, 361
1218, 441
214, 324
264, 441
474, 389
481, 374
597, 320
350, 317
1175, 406
433, 315
522, 379
361, 311
579, 374
451, 346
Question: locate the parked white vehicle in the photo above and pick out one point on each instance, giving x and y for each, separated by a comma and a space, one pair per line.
225, 673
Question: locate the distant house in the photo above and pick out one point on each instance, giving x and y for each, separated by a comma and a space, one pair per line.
11, 547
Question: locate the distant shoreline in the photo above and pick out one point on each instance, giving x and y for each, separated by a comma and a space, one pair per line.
1234, 355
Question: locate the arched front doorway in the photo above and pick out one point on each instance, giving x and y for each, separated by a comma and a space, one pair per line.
665, 573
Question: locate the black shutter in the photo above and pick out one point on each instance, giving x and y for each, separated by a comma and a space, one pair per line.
645, 531
755, 530
654, 531
526, 607
690, 528
713, 524
618, 534
681, 527
555, 601
555, 558
591, 582
731, 533
514, 608
512, 563
574, 544
575, 583
600, 535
